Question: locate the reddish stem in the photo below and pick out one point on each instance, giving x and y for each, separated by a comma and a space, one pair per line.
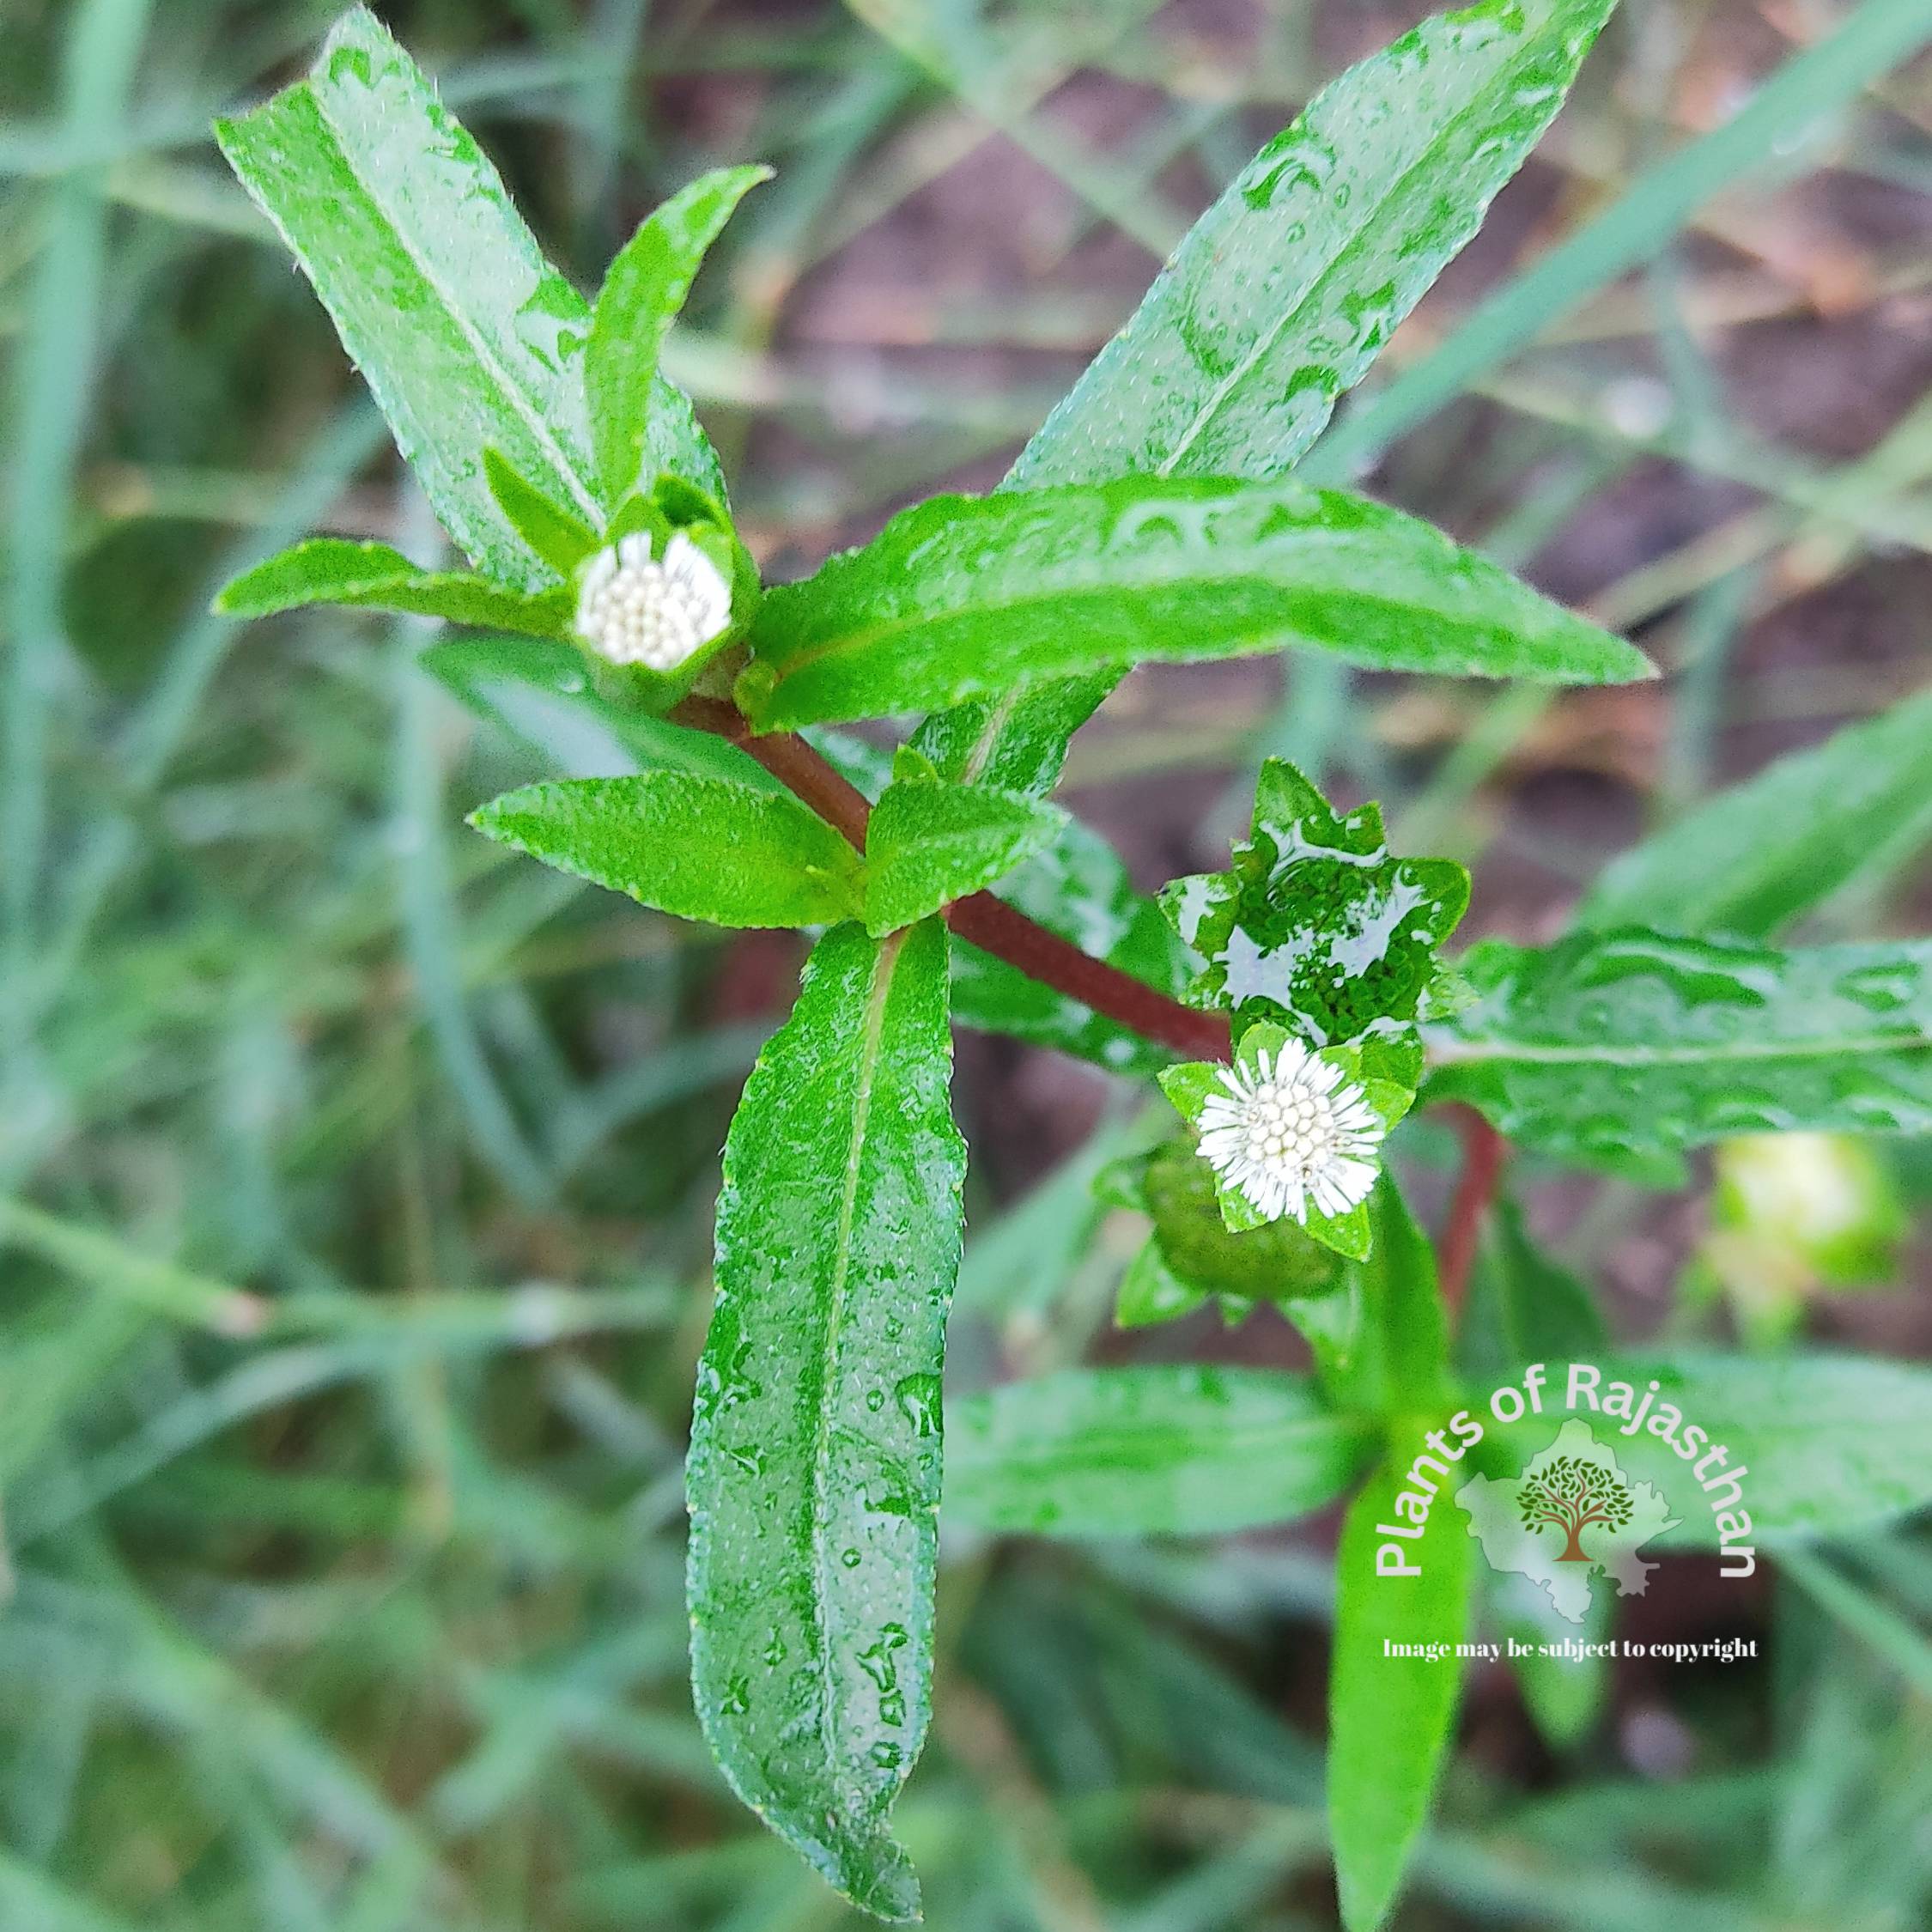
1483, 1148
986, 922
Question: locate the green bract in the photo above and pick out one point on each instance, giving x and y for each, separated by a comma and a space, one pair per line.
1316, 923
628, 638
1192, 1254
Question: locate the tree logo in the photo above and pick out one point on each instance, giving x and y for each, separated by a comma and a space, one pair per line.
1572, 1513
1570, 1494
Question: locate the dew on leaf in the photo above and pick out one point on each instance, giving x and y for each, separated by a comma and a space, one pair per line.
919, 1400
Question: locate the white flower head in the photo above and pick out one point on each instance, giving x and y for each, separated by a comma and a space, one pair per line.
634, 609
1291, 1133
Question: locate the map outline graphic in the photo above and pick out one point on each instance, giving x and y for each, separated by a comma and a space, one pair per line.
1535, 1549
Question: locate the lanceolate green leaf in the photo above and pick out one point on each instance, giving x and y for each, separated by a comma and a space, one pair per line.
467, 335
1753, 858
1020, 740
563, 541
1389, 1711
331, 570
1076, 887
814, 1468
701, 847
1617, 1048
928, 844
675, 440
1380, 1338
965, 596
1174, 1450
641, 296
1285, 290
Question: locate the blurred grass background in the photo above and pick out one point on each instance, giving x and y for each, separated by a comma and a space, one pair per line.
358, 1176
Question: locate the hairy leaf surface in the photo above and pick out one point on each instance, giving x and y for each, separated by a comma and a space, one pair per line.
965, 596
1619, 1048
1753, 858
701, 847
814, 1467
1178, 1450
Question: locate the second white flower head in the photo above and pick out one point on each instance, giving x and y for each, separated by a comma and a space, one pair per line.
632, 609
1291, 1133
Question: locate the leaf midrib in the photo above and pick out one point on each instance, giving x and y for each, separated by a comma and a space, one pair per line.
1039, 605
1108, 1446
1465, 1052
525, 406
1428, 159
885, 956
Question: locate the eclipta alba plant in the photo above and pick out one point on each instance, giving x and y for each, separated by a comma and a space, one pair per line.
1293, 1006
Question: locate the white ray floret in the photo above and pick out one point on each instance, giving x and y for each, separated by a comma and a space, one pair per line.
633, 609
1291, 1133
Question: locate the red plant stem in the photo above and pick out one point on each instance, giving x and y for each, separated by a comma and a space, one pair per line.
989, 922
1483, 1148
